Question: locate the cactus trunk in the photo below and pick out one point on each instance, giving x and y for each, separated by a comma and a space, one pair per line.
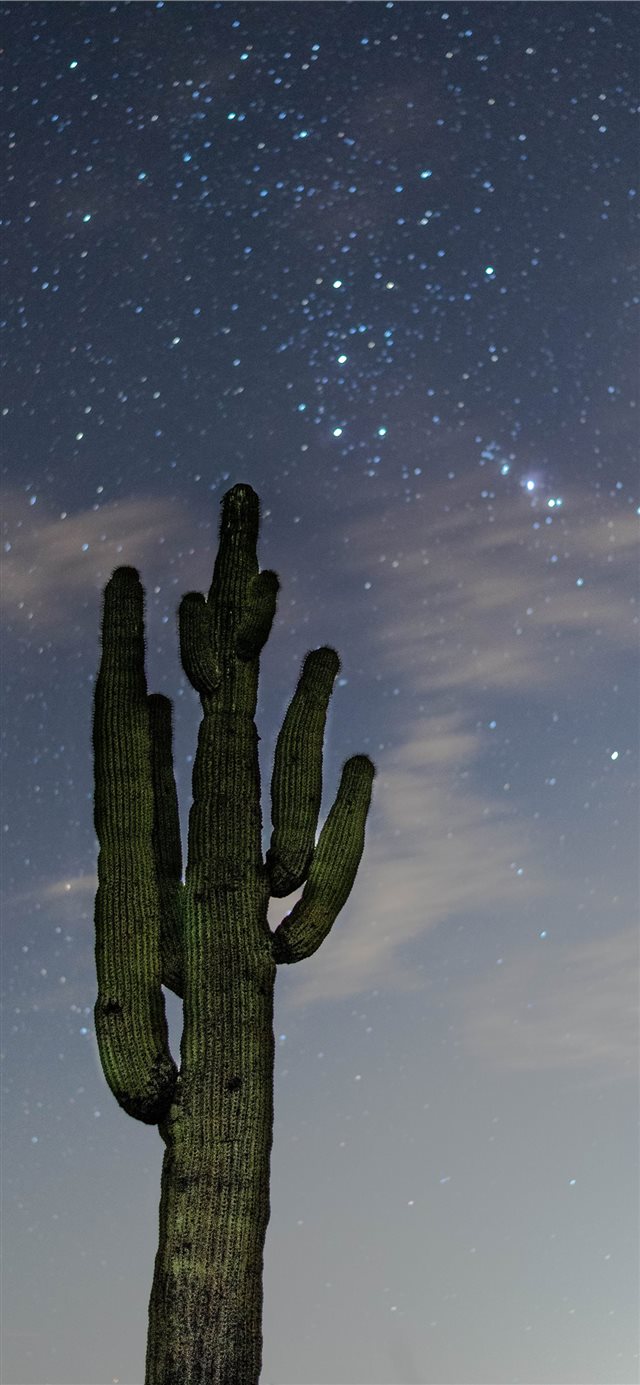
206, 1302
208, 938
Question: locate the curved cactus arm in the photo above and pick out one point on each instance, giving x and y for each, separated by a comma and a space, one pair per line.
196, 644
167, 847
333, 867
257, 618
296, 782
131, 1026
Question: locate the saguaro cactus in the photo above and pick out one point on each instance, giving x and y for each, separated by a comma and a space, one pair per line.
208, 938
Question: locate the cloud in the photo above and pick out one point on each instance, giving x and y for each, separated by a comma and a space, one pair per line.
56, 565
55, 894
453, 582
578, 1014
435, 849
75, 885
471, 596
470, 602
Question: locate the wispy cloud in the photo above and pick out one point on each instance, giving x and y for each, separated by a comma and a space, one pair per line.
578, 1014
470, 593
473, 598
75, 886
62, 896
435, 849
55, 565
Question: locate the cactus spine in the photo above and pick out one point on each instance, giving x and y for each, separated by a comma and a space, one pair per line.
208, 939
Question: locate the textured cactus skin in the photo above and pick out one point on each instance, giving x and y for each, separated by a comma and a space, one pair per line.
208, 939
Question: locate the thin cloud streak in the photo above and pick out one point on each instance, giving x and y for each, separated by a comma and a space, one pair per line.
435, 850
579, 1014
437, 847
470, 585
56, 565
75, 885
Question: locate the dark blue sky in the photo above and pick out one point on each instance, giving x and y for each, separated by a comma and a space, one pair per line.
378, 261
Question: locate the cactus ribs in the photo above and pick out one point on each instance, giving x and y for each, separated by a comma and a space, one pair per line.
207, 938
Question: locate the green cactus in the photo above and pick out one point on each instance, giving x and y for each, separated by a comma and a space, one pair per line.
208, 939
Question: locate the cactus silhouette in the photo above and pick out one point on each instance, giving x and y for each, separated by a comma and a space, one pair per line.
208, 938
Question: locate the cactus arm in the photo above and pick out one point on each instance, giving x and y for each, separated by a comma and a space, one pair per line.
196, 644
167, 846
296, 782
259, 609
224, 837
333, 867
235, 619
236, 560
131, 1027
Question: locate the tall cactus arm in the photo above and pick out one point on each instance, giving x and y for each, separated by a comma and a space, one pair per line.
296, 782
131, 1026
196, 644
167, 847
225, 823
236, 560
259, 609
333, 867
235, 619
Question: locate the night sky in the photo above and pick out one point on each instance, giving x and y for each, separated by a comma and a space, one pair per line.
376, 260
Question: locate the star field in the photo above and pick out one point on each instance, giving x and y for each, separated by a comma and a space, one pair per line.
379, 261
